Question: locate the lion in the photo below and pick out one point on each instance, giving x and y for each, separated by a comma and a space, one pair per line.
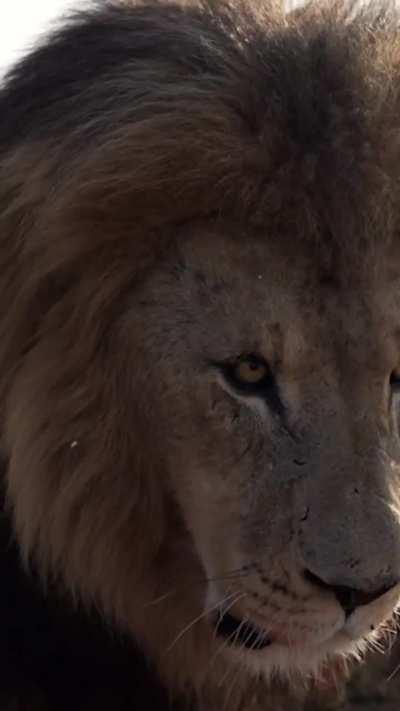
199, 332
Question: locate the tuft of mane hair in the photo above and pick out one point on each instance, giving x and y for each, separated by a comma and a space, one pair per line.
130, 120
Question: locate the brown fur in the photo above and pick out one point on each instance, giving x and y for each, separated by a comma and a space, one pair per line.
234, 140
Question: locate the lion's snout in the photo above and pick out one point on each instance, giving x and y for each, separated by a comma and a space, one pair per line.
349, 542
349, 598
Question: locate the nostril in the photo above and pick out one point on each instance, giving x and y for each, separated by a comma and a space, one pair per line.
349, 598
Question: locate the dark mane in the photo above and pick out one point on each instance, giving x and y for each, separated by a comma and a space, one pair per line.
134, 116
233, 95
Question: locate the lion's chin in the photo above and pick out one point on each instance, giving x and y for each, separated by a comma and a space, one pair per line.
270, 650
269, 657
299, 661
254, 634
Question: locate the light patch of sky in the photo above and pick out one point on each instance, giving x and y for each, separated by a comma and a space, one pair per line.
23, 21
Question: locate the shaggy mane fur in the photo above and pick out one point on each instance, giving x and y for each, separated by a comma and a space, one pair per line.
129, 121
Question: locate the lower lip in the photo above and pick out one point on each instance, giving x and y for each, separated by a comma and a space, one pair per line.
242, 634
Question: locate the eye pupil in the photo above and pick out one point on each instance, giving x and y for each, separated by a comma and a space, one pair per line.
250, 371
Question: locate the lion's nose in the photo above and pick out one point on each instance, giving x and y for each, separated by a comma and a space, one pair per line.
349, 598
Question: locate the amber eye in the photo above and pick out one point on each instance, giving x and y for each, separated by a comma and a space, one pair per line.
248, 373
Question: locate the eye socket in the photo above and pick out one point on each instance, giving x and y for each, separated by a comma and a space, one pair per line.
248, 373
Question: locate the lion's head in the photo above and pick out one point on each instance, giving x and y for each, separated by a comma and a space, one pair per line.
199, 329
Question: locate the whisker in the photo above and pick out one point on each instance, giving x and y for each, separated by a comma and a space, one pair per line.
235, 574
377, 646
393, 673
224, 644
258, 639
232, 670
237, 676
226, 609
161, 598
197, 619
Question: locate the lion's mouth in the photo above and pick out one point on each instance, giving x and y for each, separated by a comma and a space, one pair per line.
242, 633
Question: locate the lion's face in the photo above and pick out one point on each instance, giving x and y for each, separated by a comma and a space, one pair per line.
276, 392
199, 337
